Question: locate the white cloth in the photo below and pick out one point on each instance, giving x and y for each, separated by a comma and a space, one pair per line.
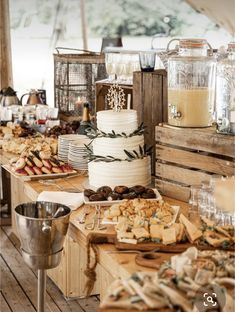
72, 200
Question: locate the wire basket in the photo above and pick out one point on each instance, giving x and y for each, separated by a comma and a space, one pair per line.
75, 76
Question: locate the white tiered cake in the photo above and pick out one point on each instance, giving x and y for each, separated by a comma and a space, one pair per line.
116, 168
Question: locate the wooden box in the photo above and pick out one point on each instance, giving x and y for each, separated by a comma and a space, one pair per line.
150, 101
186, 156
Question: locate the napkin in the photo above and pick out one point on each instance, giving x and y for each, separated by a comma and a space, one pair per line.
72, 200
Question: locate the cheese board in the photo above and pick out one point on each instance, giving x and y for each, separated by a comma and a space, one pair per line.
172, 248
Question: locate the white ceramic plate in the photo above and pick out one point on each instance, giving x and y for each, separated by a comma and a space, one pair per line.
111, 202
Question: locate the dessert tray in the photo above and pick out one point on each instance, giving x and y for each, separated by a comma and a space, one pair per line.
10, 169
111, 202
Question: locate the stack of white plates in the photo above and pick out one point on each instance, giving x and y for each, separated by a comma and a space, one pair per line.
63, 144
77, 153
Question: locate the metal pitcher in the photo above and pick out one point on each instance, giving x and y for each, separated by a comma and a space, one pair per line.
8, 97
35, 97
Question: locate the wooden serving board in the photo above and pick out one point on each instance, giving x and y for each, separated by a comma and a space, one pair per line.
152, 259
175, 248
148, 246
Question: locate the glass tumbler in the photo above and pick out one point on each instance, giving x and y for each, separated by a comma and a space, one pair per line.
147, 60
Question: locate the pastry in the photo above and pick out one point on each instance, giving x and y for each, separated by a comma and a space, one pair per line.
115, 196
88, 192
20, 163
29, 161
138, 189
46, 163
46, 170
29, 170
97, 197
21, 172
37, 170
66, 168
57, 170
105, 190
148, 195
130, 195
121, 189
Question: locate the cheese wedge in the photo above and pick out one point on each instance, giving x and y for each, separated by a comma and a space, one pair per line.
140, 233
208, 222
127, 235
192, 231
168, 236
156, 231
179, 231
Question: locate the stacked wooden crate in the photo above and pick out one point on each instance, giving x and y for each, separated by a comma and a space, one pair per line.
186, 156
150, 101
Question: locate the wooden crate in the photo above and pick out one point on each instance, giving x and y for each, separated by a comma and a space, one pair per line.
150, 101
186, 156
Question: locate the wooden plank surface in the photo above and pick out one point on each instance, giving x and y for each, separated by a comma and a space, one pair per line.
173, 190
195, 160
179, 174
52, 290
137, 95
17, 299
3, 303
203, 139
27, 280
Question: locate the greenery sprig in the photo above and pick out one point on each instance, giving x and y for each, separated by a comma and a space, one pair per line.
93, 133
143, 152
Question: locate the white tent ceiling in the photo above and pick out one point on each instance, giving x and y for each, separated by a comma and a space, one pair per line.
222, 12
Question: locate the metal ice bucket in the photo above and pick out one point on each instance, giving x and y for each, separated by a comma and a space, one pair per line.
42, 227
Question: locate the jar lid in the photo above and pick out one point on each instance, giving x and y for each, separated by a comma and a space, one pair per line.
192, 43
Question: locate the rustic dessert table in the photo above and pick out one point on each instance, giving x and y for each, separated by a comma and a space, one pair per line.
69, 275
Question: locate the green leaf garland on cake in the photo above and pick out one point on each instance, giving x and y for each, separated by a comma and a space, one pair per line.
94, 133
143, 152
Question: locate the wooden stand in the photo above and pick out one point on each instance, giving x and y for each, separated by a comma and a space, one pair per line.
186, 156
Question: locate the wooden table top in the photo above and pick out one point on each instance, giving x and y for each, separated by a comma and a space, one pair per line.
116, 263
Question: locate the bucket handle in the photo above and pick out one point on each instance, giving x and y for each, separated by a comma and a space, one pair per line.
46, 228
73, 49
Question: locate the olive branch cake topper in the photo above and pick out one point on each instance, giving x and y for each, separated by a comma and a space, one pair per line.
116, 97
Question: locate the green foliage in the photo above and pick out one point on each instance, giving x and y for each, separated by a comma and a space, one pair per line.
133, 17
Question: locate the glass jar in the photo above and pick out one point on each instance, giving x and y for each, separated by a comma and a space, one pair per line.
225, 92
191, 84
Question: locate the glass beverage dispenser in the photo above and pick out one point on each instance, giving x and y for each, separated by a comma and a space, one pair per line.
225, 92
191, 84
